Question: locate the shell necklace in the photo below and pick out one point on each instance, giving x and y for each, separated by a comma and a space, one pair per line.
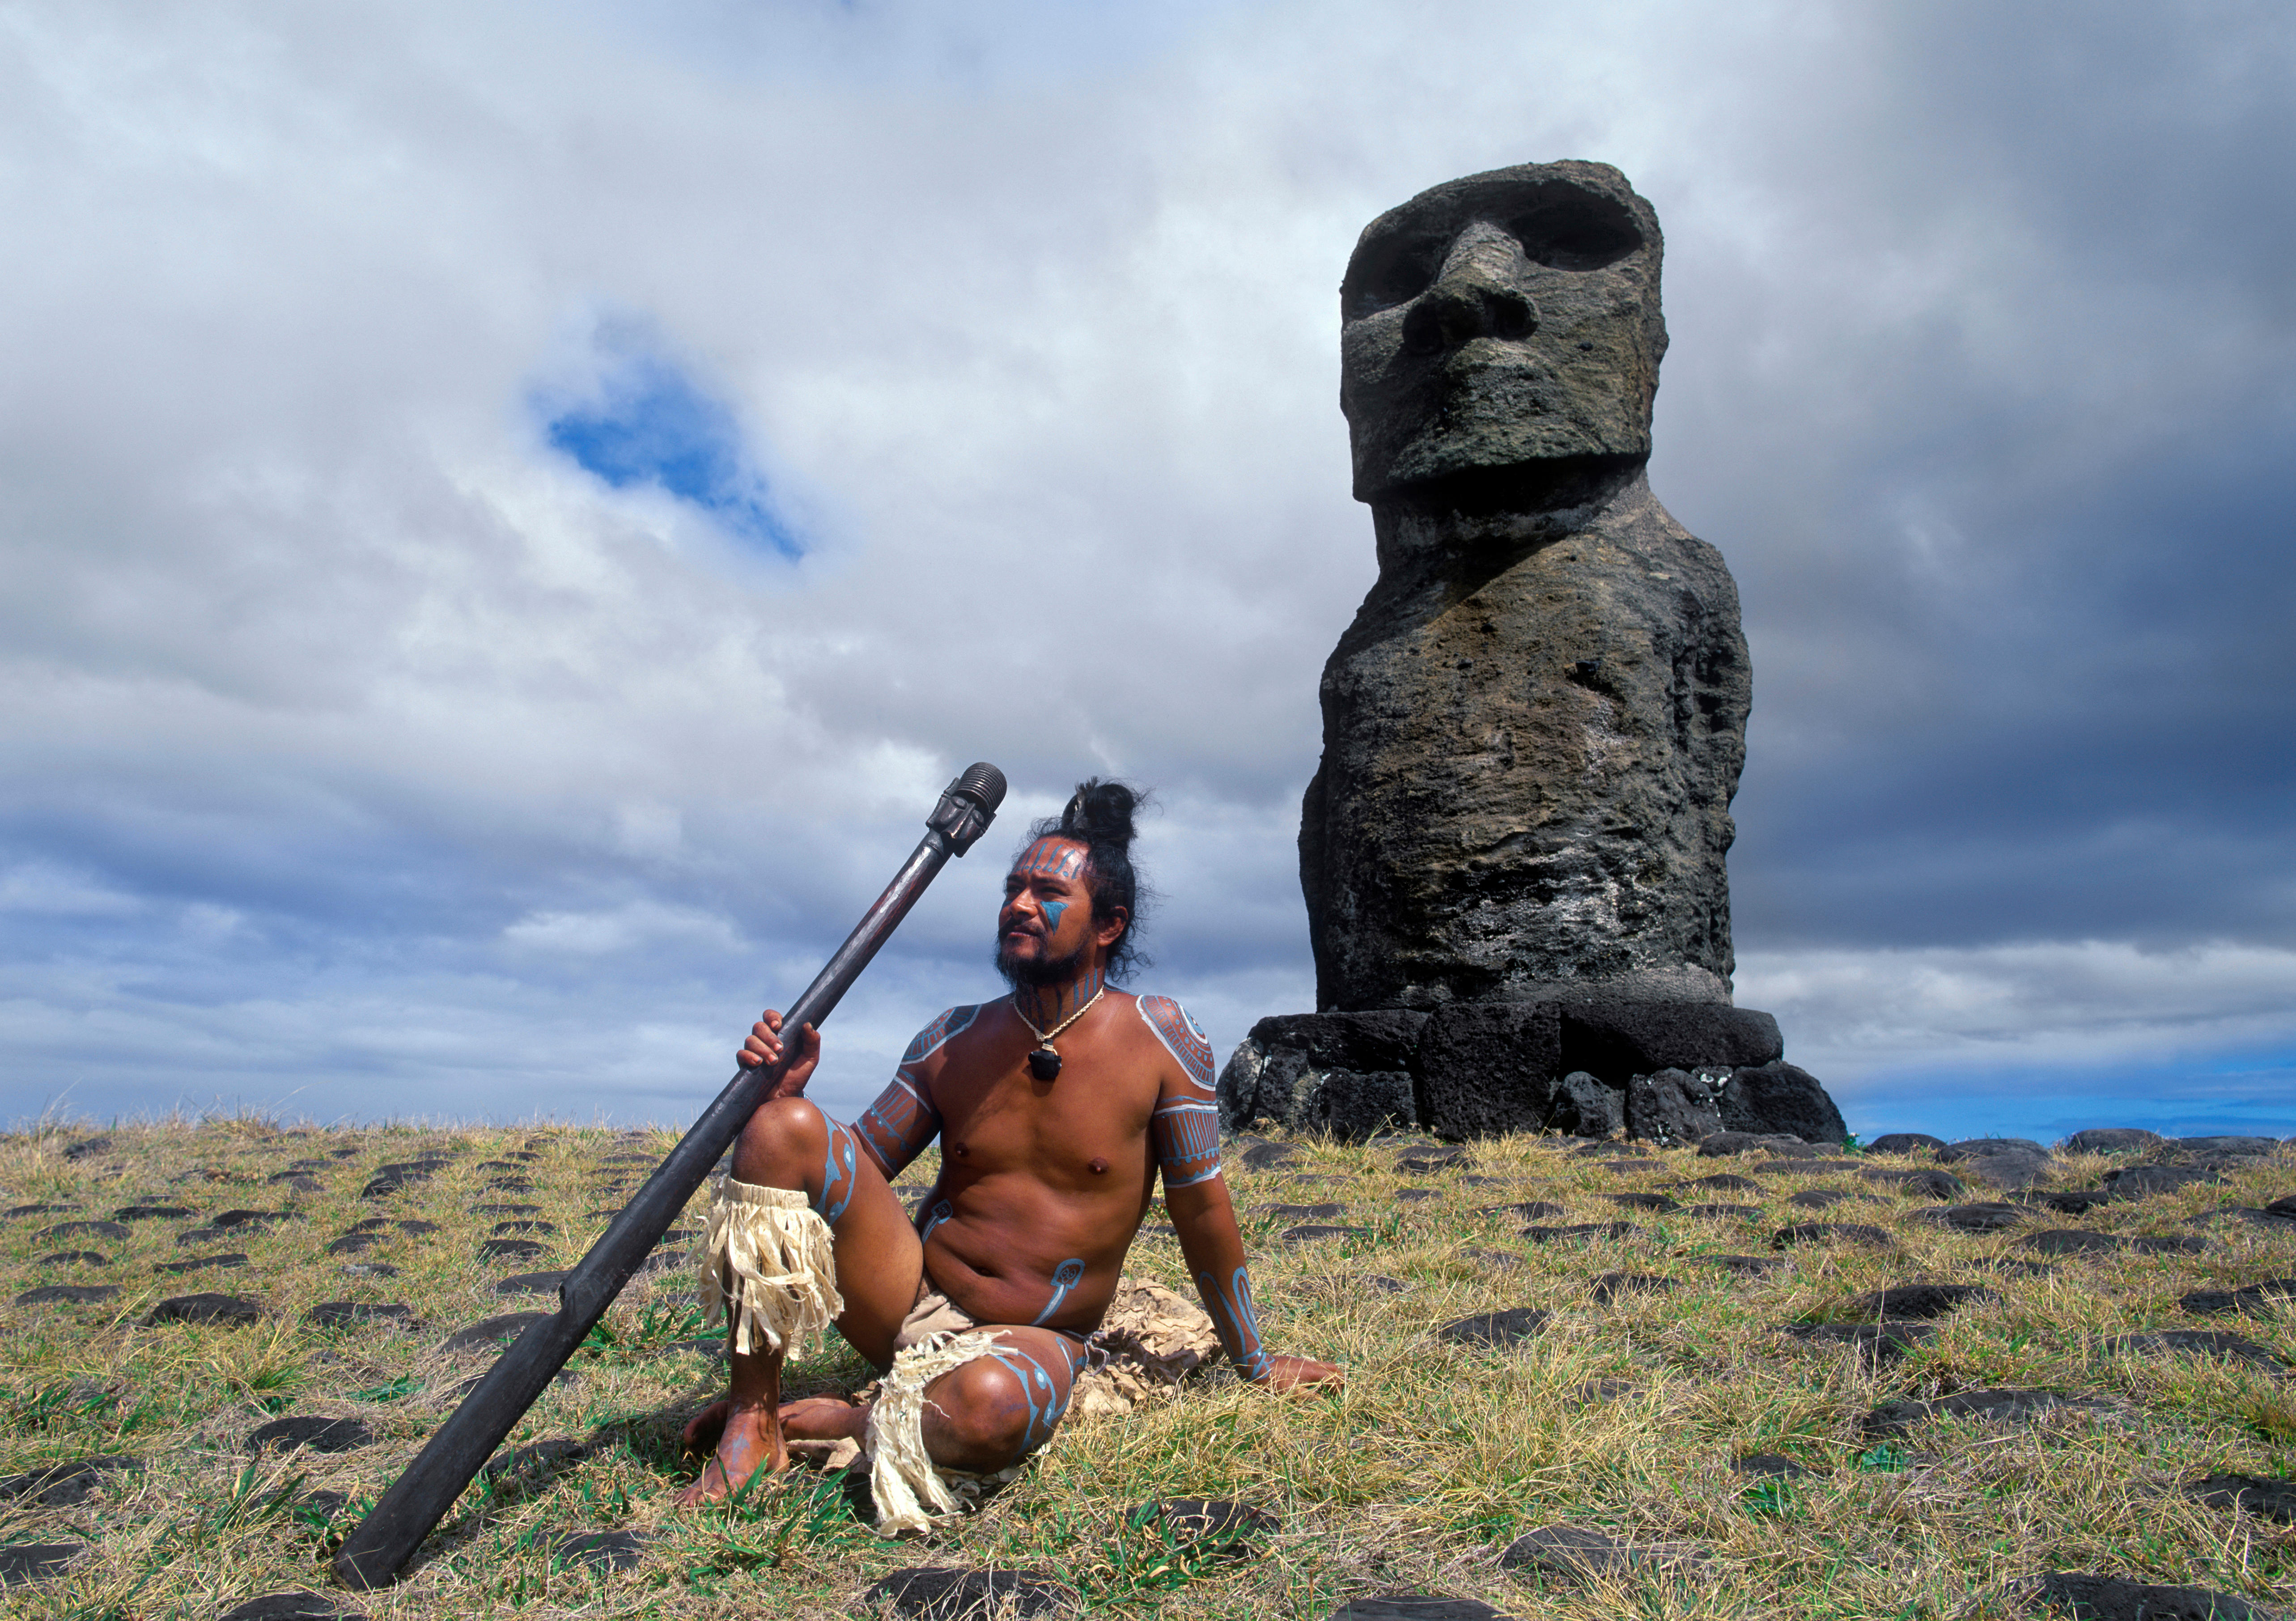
1044, 1063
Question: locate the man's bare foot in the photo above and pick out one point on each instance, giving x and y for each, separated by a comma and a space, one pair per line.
1298, 1373
824, 1418
749, 1439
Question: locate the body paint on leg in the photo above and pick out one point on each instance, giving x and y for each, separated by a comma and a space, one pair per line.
1047, 1398
840, 1176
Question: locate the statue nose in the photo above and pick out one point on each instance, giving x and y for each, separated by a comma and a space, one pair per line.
1474, 297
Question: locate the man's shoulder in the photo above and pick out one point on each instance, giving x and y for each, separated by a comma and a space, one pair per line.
1182, 1036
952, 1023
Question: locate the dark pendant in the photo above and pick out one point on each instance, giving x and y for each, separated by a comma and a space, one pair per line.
1044, 1063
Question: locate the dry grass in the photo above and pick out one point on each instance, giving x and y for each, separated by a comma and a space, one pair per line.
1414, 1479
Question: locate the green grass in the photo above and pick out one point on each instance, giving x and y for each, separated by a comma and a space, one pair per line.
1412, 1479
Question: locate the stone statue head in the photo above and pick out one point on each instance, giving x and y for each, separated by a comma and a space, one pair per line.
1501, 322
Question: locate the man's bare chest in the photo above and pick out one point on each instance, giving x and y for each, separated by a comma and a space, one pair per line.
1075, 1130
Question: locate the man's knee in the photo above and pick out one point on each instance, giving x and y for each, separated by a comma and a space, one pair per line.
990, 1414
785, 1137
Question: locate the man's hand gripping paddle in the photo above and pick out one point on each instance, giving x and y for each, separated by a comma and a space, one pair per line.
420, 1498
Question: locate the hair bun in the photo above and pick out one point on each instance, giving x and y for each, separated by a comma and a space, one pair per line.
1101, 812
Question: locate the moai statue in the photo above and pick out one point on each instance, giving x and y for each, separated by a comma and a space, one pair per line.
1513, 852
1534, 727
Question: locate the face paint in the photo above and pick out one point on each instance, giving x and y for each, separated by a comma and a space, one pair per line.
1052, 910
1051, 858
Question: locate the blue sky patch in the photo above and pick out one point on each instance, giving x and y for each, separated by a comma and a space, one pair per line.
653, 426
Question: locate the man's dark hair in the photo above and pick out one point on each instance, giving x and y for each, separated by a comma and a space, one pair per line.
1100, 818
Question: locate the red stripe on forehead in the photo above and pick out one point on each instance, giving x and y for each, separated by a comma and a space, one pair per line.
1052, 856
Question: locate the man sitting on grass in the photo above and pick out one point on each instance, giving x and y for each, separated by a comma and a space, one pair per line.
978, 1312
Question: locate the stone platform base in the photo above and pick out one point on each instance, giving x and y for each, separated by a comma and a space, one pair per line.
1593, 1066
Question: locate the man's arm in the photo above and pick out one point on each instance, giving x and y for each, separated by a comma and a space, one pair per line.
1185, 1130
903, 1119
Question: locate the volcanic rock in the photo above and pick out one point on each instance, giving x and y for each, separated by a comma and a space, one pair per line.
1877, 1343
2194, 1342
1903, 1142
294, 1605
2252, 1300
1501, 1328
356, 1314
228, 1311
1831, 1232
938, 1592
319, 1435
1416, 1607
1572, 1554
113, 1231
23, 1563
600, 1549
2105, 1598
1346, 1073
69, 1294
63, 1486
1906, 1301
1673, 1106
2112, 1140
2265, 1495
1997, 1406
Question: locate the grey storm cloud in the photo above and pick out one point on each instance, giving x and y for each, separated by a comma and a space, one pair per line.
362, 754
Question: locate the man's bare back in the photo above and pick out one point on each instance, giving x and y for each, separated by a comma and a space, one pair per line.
1015, 1252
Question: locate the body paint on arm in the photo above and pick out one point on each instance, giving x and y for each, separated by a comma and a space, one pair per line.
903, 1119
1238, 1322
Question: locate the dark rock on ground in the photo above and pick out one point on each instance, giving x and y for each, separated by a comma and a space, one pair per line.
91, 1145
77, 1257
151, 1212
229, 1219
1904, 1302
938, 1592
1419, 1162
63, 1486
1980, 1147
510, 1184
69, 1294
1585, 1107
2104, 1598
2009, 1170
1611, 1285
200, 1235
1903, 1142
1416, 1607
1940, 1185
356, 1314
2149, 1180
1672, 1106
1529, 1210
211, 1263
491, 1333
2075, 1203
2242, 1146
113, 1231
2265, 1495
354, 1243
1745, 1266
1412, 1196
600, 1549
1240, 1528
22, 1563
1724, 1213
2112, 1140
1313, 1230
505, 1209
1807, 1165
1723, 1182
1877, 1343
2193, 1342
1765, 1465
1779, 1099
505, 1229
1749, 1142
416, 1228
532, 1283
1261, 1156
1819, 1199
368, 1269
318, 1434
1346, 1073
1570, 1554
1831, 1232
292, 1606
1295, 1212
1981, 1217
1494, 1328
510, 1250
1996, 1406
530, 1468
2166, 1243
225, 1311
2251, 1300
1493, 1067
1582, 1230
1658, 1203
10, 1214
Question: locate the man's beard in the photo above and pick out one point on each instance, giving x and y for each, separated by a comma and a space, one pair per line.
1040, 973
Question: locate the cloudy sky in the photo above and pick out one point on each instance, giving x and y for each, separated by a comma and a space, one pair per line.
510, 513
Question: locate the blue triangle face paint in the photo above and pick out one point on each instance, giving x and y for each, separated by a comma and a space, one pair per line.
1052, 909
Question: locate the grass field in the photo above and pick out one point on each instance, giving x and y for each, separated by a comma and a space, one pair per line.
1623, 1413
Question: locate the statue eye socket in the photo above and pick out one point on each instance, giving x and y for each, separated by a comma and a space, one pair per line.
1386, 273
1579, 233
